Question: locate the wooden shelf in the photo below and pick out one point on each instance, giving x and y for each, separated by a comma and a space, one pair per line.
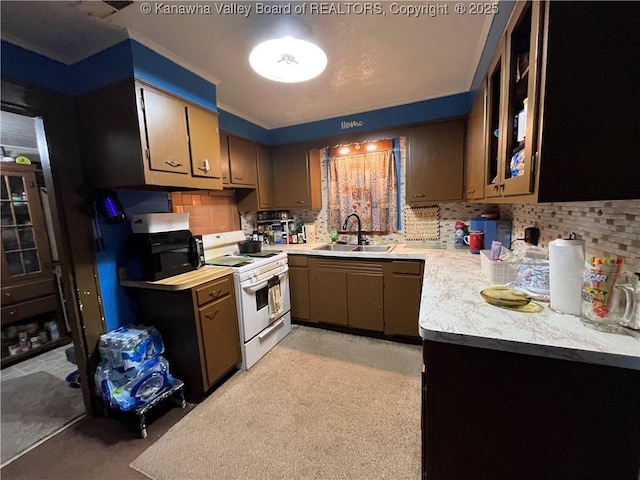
50, 345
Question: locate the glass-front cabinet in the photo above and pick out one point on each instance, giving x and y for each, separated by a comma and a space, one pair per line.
513, 86
25, 250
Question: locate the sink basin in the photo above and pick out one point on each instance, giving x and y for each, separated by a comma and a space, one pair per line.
373, 248
337, 248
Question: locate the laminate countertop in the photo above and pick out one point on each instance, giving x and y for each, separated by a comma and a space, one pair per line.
452, 311
182, 281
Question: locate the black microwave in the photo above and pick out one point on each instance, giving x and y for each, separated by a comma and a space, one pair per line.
154, 256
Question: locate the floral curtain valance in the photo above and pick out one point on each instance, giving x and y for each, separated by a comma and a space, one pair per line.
365, 184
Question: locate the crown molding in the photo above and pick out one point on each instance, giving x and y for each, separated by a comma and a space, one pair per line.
248, 118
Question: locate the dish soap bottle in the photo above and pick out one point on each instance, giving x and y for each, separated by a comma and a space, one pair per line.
334, 235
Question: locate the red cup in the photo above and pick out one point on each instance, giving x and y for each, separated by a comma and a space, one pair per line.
475, 240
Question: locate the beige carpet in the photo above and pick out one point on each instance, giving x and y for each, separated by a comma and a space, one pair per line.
320, 405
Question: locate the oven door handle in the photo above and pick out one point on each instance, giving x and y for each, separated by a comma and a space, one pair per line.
271, 329
254, 287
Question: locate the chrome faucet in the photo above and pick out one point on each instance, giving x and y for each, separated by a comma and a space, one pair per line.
346, 221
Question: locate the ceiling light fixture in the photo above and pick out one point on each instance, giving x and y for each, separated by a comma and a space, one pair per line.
344, 150
288, 60
372, 146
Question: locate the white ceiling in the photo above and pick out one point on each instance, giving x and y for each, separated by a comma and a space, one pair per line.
375, 61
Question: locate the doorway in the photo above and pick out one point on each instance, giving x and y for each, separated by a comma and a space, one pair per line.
40, 392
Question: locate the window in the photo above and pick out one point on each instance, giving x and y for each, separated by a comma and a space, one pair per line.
363, 179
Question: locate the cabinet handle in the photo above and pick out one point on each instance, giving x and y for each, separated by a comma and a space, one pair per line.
239, 178
211, 317
171, 163
215, 293
301, 202
265, 203
205, 166
501, 186
419, 195
471, 191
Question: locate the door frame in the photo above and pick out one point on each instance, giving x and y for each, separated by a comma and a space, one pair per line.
64, 176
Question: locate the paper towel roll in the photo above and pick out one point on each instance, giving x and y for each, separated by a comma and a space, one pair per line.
566, 265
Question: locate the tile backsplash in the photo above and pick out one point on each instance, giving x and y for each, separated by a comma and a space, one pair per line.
209, 211
609, 227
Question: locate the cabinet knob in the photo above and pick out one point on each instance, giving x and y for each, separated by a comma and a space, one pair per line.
239, 178
419, 195
171, 163
265, 203
210, 316
300, 202
215, 293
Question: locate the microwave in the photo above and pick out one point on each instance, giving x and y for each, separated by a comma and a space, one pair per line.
154, 256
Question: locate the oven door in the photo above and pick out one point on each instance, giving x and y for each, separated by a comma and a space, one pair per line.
255, 297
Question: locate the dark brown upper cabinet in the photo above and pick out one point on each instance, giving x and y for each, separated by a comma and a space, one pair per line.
136, 135
561, 117
474, 152
241, 154
296, 175
435, 162
260, 198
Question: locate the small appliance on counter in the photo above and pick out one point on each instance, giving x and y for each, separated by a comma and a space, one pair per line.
154, 256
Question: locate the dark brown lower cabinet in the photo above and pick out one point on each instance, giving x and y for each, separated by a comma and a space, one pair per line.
402, 295
369, 294
490, 414
299, 286
199, 327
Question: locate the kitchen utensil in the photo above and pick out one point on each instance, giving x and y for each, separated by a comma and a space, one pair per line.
505, 297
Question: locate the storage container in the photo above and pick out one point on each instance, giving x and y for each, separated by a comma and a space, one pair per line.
498, 272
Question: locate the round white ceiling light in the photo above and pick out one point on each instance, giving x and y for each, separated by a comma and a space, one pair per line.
288, 60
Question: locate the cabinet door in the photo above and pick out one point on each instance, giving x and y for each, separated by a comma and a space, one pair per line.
523, 42
242, 161
265, 178
365, 294
494, 134
402, 295
220, 338
292, 175
204, 140
165, 123
435, 162
328, 291
474, 160
299, 292
224, 159
25, 246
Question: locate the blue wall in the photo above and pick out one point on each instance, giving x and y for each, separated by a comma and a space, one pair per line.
118, 309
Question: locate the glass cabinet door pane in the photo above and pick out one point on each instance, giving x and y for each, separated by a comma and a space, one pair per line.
9, 239
21, 210
14, 263
5, 212
17, 189
30, 259
4, 193
27, 239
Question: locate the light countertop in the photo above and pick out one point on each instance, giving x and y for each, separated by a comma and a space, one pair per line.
180, 282
452, 311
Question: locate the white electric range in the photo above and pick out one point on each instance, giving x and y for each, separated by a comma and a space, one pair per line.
261, 283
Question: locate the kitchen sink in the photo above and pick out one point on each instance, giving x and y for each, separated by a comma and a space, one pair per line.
373, 248
337, 248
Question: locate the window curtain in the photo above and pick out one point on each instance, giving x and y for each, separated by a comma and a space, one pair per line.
365, 184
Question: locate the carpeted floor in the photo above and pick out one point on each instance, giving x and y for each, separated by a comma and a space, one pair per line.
33, 407
320, 405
